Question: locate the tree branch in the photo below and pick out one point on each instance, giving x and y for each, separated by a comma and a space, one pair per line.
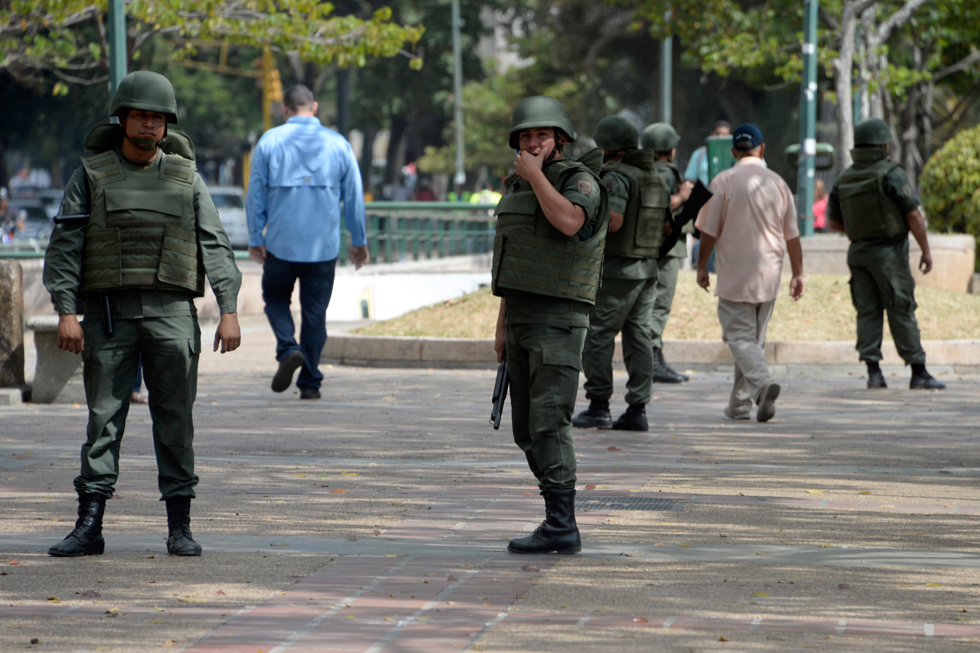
898, 19
959, 66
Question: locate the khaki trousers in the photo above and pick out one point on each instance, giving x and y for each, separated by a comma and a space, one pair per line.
743, 328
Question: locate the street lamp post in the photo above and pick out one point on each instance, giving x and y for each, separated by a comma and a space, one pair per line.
117, 44
460, 178
808, 120
666, 70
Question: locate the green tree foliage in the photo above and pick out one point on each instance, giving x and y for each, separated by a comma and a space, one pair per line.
67, 38
951, 185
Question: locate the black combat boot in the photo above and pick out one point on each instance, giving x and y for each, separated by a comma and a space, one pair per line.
596, 415
876, 380
922, 380
558, 532
662, 372
180, 542
86, 539
634, 419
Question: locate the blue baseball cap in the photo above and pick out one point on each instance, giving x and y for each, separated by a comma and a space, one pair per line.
747, 137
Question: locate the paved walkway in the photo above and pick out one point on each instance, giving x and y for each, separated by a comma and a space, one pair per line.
376, 520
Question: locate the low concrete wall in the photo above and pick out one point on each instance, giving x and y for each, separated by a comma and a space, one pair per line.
953, 259
953, 267
478, 353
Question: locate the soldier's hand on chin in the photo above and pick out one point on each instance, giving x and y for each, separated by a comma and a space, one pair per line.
527, 165
228, 333
70, 335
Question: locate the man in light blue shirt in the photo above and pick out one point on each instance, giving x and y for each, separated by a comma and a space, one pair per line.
697, 167
303, 176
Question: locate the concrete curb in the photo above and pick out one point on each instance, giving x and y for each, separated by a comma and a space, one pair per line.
408, 351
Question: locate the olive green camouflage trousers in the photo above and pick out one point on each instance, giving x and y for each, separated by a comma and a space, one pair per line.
170, 348
622, 305
881, 280
544, 362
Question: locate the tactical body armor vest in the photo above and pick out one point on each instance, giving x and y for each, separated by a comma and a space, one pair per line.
530, 254
642, 232
867, 211
142, 231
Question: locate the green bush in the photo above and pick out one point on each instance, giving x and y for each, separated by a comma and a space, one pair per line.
951, 185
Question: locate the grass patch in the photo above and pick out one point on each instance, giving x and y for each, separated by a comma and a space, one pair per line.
825, 313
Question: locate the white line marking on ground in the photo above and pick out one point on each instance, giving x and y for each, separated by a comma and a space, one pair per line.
319, 619
930, 630
670, 622
394, 632
755, 624
583, 620
841, 626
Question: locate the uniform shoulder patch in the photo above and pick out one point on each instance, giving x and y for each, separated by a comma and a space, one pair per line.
907, 190
608, 183
584, 186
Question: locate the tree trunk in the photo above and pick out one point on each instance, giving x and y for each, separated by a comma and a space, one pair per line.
367, 155
843, 71
396, 148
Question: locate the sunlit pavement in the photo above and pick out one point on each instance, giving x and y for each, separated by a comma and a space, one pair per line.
376, 519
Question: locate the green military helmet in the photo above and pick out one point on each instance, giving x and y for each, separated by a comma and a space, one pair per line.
873, 131
540, 111
147, 91
614, 133
659, 137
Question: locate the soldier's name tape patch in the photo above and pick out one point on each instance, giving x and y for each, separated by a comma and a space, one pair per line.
584, 186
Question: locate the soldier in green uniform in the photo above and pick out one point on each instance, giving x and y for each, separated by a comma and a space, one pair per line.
873, 202
662, 140
138, 235
547, 264
638, 203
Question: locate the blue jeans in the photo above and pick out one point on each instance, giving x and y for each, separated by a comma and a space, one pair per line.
315, 288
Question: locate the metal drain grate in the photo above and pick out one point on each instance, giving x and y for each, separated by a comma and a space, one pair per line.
626, 503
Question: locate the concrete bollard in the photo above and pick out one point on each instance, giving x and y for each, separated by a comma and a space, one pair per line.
11, 325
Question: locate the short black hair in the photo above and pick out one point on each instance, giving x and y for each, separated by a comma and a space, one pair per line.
298, 97
723, 123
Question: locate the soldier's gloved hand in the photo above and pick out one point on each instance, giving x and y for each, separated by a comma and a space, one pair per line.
228, 333
925, 263
70, 335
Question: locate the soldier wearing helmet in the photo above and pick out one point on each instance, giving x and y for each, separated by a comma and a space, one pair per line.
662, 139
873, 202
638, 205
137, 233
547, 262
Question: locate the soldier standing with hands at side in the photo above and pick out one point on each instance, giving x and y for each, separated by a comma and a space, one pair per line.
638, 204
662, 139
547, 263
139, 234
873, 202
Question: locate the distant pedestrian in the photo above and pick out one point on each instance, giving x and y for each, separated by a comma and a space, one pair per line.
819, 206
751, 219
302, 174
697, 167
873, 202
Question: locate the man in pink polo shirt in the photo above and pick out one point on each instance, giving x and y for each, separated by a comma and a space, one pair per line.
751, 220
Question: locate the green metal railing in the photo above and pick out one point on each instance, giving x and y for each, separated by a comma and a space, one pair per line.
396, 231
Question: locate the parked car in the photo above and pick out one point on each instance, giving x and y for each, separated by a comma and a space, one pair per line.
51, 197
32, 222
230, 202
